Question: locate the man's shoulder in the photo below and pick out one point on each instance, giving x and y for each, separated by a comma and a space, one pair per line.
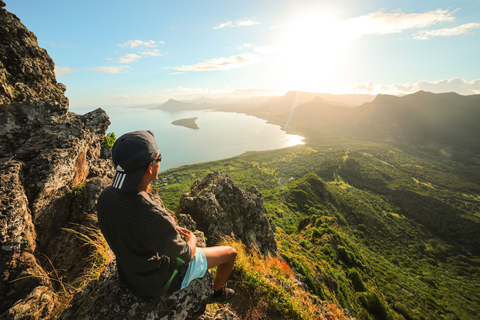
112, 199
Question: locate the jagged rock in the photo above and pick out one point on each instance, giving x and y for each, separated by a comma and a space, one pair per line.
46, 153
25, 288
26, 70
220, 208
105, 299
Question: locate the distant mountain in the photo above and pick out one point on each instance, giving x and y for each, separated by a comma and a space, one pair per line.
293, 99
175, 105
422, 117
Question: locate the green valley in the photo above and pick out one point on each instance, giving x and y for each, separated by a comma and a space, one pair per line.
385, 229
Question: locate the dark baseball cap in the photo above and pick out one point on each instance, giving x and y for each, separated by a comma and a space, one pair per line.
131, 154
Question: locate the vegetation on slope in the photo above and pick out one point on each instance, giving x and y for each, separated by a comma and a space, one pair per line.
382, 233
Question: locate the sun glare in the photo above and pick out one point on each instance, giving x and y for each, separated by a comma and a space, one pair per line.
312, 49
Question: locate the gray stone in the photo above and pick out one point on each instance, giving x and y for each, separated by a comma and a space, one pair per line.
105, 299
220, 208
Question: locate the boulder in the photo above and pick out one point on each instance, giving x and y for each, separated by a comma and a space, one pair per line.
106, 299
220, 208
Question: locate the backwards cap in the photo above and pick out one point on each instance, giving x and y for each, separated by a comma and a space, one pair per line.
131, 154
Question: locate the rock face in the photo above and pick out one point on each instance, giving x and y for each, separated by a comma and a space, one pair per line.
26, 70
221, 208
105, 299
46, 152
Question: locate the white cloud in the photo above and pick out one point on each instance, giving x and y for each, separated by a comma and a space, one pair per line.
129, 57
386, 23
245, 23
148, 50
61, 71
140, 43
457, 85
232, 62
152, 54
448, 32
113, 69
238, 23
224, 25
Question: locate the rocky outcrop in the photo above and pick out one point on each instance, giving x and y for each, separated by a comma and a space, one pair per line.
50, 173
220, 208
105, 299
26, 70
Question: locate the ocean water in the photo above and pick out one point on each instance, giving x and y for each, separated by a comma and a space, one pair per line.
221, 135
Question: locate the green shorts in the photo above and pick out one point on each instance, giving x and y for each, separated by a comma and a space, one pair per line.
196, 268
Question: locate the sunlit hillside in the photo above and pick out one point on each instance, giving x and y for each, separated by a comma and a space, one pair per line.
374, 217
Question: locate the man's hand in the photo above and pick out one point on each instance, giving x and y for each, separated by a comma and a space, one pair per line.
186, 234
189, 237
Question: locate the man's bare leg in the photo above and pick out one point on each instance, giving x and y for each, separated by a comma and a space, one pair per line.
222, 257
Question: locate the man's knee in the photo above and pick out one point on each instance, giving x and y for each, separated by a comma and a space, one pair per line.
232, 253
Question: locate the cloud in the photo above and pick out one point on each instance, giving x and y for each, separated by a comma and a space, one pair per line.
148, 50
232, 62
224, 25
448, 32
128, 58
140, 43
451, 85
113, 69
238, 23
457, 85
152, 54
61, 71
381, 23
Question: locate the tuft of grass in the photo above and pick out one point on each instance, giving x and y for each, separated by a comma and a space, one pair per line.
100, 257
78, 189
272, 279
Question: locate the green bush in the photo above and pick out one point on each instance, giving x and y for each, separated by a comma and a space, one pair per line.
358, 284
109, 140
374, 305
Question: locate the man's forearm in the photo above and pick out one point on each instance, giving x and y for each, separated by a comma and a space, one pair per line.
192, 243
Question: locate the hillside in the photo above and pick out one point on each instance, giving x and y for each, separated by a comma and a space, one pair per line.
383, 234
376, 212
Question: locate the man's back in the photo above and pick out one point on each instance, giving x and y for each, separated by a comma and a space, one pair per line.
144, 239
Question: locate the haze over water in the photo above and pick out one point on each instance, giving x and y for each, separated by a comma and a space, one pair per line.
221, 134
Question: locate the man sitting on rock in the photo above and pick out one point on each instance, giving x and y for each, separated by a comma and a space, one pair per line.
154, 255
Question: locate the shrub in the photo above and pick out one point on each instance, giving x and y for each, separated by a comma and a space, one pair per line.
109, 140
358, 284
374, 305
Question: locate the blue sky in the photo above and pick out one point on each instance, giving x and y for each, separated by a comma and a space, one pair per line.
126, 52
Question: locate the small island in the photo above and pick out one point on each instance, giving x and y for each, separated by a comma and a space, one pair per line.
187, 122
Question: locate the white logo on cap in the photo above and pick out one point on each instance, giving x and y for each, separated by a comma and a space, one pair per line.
120, 169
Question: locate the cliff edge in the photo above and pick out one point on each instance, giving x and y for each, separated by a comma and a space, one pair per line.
46, 152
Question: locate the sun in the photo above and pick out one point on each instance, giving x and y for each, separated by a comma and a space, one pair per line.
312, 50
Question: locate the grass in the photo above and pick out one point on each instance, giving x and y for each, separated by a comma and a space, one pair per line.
272, 279
100, 257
